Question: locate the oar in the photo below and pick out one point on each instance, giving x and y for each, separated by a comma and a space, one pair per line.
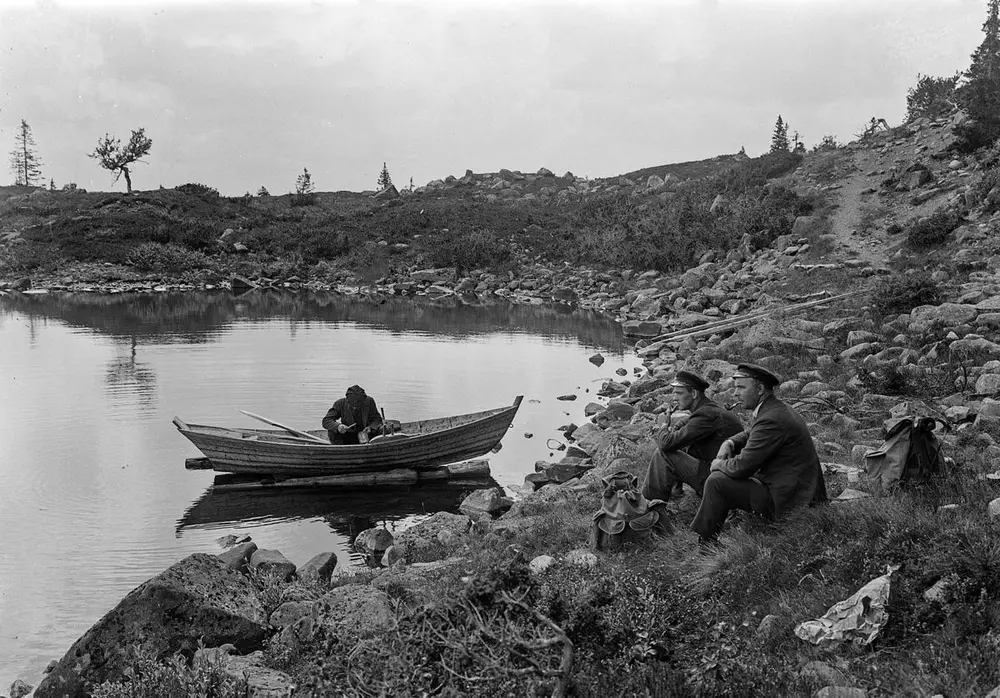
303, 434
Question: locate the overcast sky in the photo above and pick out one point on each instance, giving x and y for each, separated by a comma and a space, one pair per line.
242, 94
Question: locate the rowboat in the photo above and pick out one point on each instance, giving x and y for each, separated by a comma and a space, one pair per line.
420, 445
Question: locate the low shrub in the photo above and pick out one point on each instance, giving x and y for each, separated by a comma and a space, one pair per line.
479, 249
170, 257
904, 292
148, 677
201, 190
975, 134
933, 230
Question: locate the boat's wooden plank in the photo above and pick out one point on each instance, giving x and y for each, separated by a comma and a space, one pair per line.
400, 476
469, 469
198, 464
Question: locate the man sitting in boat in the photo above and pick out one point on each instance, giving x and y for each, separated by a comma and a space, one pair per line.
352, 419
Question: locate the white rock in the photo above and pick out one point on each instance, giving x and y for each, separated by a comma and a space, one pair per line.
541, 563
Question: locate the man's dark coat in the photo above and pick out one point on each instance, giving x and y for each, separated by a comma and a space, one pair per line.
778, 451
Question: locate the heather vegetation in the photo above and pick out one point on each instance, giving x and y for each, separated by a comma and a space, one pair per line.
176, 233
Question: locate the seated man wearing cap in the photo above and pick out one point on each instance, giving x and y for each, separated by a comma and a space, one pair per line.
702, 434
769, 469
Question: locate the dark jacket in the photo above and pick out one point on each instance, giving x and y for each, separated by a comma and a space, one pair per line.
708, 426
356, 408
778, 451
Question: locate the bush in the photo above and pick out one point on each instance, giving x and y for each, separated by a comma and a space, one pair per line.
200, 190
147, 677
974, 135
171, 257
933, 230
931, 97
903, 293
480, 249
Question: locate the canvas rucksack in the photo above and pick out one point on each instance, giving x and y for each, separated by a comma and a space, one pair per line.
626, 516
911, 452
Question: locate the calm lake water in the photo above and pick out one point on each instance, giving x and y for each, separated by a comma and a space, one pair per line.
94, 497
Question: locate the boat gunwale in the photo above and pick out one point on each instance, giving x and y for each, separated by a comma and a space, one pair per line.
378, 444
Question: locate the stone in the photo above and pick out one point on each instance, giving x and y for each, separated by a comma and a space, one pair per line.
988, 384
350, 613
272, 562
769, 627
424, 541
289, 612
989, 407
566, 398
319, 568
489, 502
939, 592
612, 388
238, 557
198, 597
372, 543
994, 508
19, 689
541, 563
434, 276
639, 328
262, 680
597, 359
583, 558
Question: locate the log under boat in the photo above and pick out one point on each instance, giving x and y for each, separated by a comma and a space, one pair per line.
419, 445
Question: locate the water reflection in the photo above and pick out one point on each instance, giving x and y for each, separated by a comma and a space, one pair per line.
346, 511
126, 376
198, 317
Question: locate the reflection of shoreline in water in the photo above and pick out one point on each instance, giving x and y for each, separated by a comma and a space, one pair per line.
195, 317
346, 511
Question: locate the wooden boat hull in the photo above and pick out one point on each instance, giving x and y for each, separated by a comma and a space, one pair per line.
423, 444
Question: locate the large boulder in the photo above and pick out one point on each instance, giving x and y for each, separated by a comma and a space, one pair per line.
926, 317
272, 562
319, 568
196, 598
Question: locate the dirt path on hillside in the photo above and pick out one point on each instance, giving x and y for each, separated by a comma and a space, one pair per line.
857, 233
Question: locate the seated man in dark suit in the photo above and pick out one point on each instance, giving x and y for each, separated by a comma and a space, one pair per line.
684, 452
769, 469
353, 419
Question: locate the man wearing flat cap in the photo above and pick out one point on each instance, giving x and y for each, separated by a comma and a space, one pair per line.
769, 469
685, 453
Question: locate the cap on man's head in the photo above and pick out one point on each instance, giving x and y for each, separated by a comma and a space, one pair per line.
689, 379
758, 373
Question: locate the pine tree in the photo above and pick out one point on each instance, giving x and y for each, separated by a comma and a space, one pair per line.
304, 184
24, 160
263, 191
980, 95
384, 180
779, 140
